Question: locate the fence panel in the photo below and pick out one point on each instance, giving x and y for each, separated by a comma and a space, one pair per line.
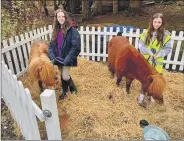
19, 100
21, 61
177, 51
173, 34
8, 57
93, 46
24, 110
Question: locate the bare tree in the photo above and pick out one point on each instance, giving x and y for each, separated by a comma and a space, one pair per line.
86, 11
99, 6
115, 7
135, 7
44, 4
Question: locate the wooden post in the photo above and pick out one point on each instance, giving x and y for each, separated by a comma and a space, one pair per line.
115, 7
86, 11
99, 6
49, 107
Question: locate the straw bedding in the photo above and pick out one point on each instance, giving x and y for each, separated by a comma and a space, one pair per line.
103, 111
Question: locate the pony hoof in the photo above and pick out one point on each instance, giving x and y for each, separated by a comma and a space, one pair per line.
112, 76
143, 105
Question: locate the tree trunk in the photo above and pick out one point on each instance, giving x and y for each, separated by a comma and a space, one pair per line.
44, 4
86, 11
115, 7
99, 6
135, 7
72, 6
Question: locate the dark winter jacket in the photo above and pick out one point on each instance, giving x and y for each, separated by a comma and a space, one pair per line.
70, 49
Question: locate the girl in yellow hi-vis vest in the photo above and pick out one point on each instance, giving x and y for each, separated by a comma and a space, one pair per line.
155, 44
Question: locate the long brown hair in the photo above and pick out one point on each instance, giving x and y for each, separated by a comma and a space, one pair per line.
160, 31
57, 26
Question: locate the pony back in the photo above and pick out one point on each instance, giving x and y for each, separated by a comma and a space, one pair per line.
114, 47
40, 66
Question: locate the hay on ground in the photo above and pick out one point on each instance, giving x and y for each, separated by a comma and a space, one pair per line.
103, 111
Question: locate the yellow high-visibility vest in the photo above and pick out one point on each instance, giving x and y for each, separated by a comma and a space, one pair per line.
153, 45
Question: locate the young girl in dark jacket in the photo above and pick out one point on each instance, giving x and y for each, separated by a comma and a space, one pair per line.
64, 48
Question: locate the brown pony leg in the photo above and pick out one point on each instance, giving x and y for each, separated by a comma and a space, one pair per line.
119, 76
118, 80
40, 85
128, 84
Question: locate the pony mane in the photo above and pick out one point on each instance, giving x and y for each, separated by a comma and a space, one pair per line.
157, 86
42, 69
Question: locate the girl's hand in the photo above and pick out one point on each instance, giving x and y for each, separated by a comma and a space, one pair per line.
155, 56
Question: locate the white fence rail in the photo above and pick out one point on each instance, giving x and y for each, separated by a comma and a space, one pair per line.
24, 110
15, 51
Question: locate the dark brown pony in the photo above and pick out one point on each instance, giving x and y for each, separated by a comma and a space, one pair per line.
125, 61
40, 67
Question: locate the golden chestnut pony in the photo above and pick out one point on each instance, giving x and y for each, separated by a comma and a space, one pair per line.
40, 67
125, 61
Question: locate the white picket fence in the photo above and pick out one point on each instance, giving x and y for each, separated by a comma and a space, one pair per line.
24, 110
15, 54
15, 51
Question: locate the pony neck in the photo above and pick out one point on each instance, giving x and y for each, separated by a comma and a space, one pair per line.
143, 69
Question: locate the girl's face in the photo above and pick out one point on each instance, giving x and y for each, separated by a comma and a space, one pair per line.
61, 17
157, 22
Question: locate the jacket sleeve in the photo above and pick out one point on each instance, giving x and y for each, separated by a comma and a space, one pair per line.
143, 49
51, 50
166, 50
75, 46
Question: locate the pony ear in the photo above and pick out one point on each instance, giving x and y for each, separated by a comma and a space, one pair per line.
150, 79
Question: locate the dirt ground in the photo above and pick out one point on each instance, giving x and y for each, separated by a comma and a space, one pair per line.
173, 14
174, 21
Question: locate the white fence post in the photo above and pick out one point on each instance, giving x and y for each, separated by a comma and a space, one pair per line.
93, 43
82, 41
49, 107
104, 45
87, 43
50, 31
99, 45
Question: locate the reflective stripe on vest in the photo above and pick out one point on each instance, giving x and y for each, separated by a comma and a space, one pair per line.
153, 44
